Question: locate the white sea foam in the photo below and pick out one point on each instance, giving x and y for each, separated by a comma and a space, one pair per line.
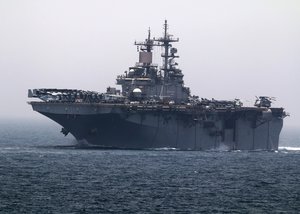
165, 149
289, 148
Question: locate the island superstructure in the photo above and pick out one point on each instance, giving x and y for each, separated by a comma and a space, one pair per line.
154, 109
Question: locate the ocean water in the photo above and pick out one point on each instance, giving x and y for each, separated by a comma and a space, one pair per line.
41, 173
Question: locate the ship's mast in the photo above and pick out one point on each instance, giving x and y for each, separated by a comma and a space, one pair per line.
166, 47
149, 42
145, 52
146, 46
165, 42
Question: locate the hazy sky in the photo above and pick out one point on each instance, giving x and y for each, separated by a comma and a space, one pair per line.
228, 48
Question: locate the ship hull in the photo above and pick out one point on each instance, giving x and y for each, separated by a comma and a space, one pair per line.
119, 126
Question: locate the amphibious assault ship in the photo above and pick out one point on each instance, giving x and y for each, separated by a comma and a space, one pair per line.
154, 109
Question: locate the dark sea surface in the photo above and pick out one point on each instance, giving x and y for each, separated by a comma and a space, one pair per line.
41, 173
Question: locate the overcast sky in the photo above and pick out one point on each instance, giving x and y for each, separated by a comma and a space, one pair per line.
228, 48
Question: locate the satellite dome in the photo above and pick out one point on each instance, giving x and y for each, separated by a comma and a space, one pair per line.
137, 90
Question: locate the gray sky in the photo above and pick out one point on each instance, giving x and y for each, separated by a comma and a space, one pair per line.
228, 48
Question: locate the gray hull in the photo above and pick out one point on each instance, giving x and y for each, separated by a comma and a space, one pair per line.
131, 127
